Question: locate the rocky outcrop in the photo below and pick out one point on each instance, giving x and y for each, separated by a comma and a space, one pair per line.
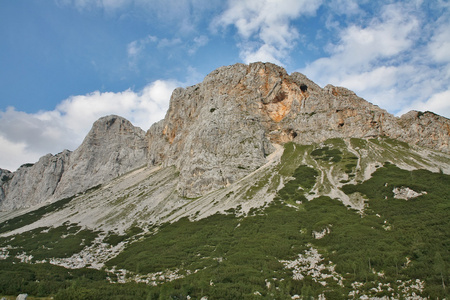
32, 184
209, 135
218, 131
425, 129
22, 297
406, 193
112, 147
5, 177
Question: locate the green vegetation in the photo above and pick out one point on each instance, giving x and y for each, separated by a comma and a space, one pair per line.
420, 227
292, 157
43, 279
33, 216
260, 183
294, 190
224, 256
43, 243
327, 154
28, 165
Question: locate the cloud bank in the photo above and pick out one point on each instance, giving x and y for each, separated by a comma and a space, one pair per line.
264, 26
26, 137
394, 59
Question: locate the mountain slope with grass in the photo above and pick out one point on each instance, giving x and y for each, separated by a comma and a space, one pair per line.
259, 185
217, 132
336, 219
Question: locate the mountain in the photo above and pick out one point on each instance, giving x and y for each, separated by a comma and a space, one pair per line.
112, 147
256, 184
218, 131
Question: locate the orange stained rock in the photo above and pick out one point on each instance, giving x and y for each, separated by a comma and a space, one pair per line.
281, 106
277, 111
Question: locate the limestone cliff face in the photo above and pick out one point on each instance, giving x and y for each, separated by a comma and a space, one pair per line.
209, 135
33, 184
112, 147
425, 129
5, 177
218, 131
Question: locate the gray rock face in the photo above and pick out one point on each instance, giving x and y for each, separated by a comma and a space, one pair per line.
220, 130
33, 184
217, 132
5, 177
209, 135
112, 147
425, 129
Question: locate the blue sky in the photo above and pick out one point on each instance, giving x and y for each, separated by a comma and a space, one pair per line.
65, 63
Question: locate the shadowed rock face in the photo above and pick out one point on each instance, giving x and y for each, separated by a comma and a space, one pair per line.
217, 132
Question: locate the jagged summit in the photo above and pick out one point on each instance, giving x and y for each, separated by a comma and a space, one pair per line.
112, 147
217, 132
234, 116
257, 183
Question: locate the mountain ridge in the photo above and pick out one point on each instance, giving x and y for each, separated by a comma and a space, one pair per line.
256, 184
216, 133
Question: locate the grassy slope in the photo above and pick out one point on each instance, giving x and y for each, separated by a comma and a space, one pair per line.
229, 257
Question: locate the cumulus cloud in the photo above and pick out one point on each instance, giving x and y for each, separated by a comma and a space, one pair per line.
345, 7
392, 60
439, 102
135, 48
16, 154
26, 137
138, 49
361, 47
439, 46
265, 26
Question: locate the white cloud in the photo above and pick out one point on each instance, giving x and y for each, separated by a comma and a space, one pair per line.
381, 61
16, 154
26, 137
265, 26
394, 59
440, 44
439, 102
359, 48
182, 16
345, 7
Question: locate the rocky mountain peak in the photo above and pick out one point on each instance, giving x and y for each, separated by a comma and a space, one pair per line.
112, 147
219, 131
223, 128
